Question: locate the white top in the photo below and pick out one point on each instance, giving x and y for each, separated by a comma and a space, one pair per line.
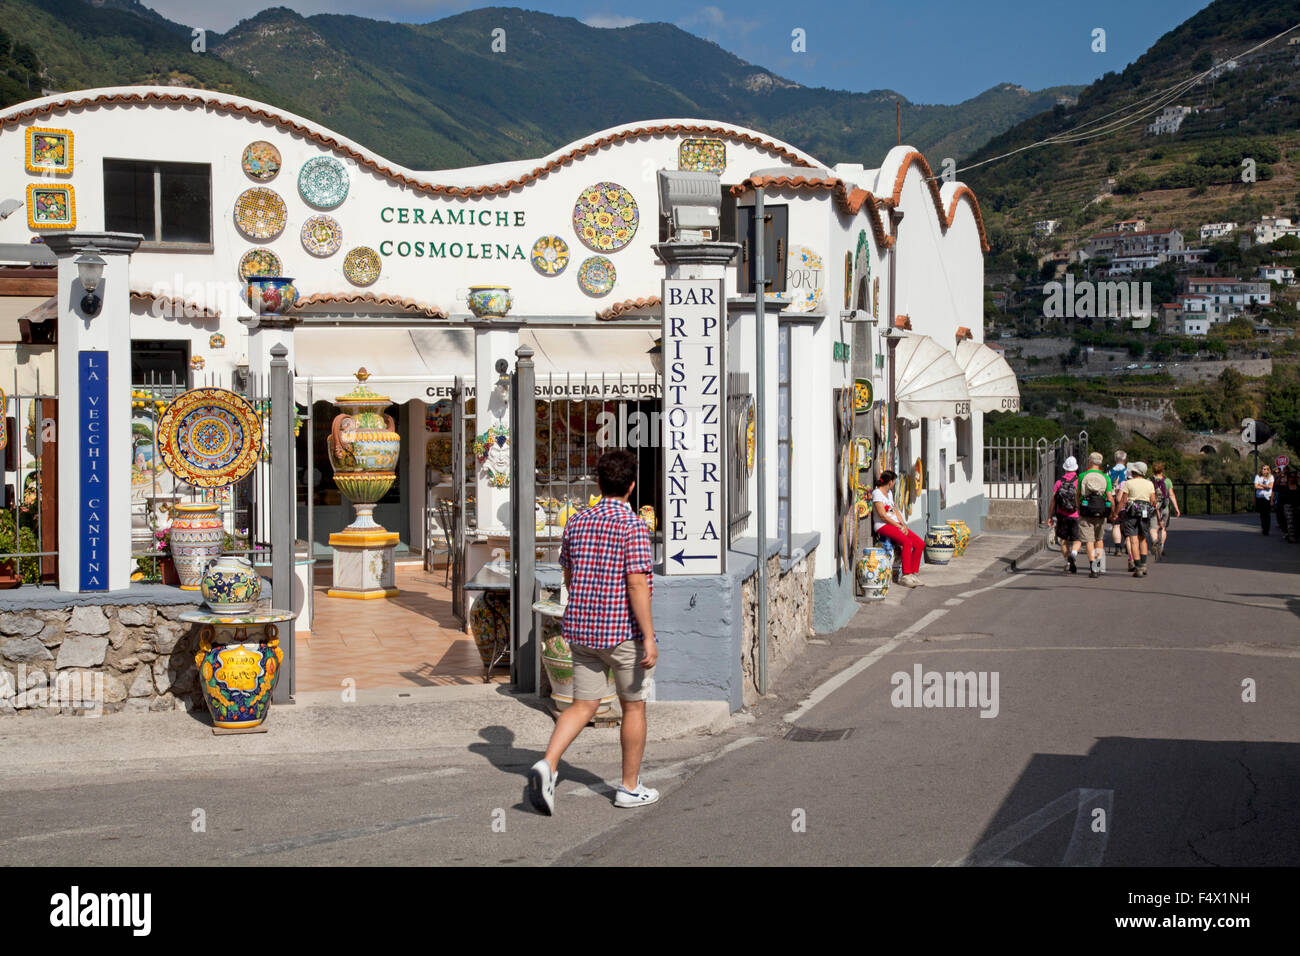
1263, 486
888, 499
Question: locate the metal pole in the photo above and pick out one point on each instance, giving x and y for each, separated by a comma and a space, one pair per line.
895, 217
760, 437
282, 511
527, 674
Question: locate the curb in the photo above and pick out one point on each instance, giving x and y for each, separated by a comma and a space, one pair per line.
1039, 544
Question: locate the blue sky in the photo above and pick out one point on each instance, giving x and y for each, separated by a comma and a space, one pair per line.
940, 51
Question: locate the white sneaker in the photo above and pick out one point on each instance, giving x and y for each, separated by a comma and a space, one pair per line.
909, 581
541, 788
640, 797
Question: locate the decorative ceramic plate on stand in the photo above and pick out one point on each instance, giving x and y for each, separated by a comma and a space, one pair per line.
596, 276
605, 217
361, 265
260, 213
261, 161
323, 182
210, 437
259, 262
550, 255
322, 235
862, 395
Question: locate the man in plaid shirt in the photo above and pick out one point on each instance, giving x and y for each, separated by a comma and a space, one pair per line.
608, 565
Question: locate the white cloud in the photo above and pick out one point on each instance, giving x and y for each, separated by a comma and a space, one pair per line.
705, 16
610, 21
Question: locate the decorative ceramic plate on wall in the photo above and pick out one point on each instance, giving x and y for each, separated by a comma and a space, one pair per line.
261, 161
550, 255
596, 276
210, 437
605, 217
260, 213
322, 235
323, 182
702, 155
361, 265
259, 262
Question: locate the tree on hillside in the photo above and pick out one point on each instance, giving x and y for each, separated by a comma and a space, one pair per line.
1282, 403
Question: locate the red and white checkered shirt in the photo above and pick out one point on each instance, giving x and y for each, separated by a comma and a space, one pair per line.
602, 546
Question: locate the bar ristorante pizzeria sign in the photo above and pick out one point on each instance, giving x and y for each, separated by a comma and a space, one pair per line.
440, 233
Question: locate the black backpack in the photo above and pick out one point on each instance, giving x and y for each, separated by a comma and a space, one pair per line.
1067, 498
1094, 505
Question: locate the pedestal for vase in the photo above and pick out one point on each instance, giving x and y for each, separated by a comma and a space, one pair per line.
363, 564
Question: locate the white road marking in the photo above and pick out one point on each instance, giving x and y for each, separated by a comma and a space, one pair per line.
669, 771
412, 777
1086, 847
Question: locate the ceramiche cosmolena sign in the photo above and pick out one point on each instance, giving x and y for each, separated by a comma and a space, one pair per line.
92, 368
694, 415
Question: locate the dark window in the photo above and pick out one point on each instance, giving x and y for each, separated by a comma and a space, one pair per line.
165, 202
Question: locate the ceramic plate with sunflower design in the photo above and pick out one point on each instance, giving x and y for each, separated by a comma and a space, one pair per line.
259, 262
605, 217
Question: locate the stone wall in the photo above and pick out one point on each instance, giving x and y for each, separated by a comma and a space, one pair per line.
789, 622
140, 656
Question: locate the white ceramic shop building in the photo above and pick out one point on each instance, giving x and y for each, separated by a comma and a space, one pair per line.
170, 164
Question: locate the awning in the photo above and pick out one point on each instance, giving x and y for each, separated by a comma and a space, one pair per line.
928, 382
422, 364
991, 381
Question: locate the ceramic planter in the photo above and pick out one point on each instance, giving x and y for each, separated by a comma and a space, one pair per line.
489, 301
271, 295
230, 585
196, 534
558, 661
940, 544
874, 571
961, 536
237, 681
363, 447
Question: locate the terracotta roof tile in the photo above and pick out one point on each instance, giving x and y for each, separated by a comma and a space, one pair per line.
628, 305
348, 298
172, 305
364, 159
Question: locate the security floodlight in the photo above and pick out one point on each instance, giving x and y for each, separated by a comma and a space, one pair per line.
692, 201
8, 206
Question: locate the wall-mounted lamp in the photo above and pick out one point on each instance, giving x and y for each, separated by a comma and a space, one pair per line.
90, 269
503, 368
656, 353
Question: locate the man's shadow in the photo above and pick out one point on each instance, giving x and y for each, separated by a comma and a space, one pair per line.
498, 748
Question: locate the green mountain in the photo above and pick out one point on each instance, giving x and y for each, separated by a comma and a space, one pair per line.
437, 95
1249, 110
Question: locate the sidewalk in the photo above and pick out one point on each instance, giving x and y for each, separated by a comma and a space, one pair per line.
985, 551
318, 728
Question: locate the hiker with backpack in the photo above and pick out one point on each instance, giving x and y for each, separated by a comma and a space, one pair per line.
1118, 474
1065, 509
1166, 501
1096, 500
1136, 508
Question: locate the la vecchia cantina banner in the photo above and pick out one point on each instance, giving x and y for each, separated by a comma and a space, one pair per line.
694, 415
92, 368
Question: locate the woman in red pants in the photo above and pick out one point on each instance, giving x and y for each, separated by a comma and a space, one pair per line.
889, 524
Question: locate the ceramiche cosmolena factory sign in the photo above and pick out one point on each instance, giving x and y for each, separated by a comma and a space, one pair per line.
694, 415
92, 368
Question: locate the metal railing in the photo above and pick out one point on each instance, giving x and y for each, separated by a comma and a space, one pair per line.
1215, 497
1025, 469
735, 447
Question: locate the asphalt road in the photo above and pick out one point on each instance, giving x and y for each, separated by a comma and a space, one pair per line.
1120, 737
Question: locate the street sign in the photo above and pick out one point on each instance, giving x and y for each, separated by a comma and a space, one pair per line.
694, 416
1282, 461
1248, 431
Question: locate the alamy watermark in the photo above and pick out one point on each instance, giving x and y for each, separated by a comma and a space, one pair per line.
1087, 299
74, 690
946, 689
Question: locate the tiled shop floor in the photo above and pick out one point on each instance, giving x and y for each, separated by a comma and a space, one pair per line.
408, 640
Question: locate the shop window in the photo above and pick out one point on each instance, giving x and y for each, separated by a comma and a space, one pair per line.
965, 431
167, 203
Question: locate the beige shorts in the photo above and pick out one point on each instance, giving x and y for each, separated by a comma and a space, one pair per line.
592, 667
1092, 530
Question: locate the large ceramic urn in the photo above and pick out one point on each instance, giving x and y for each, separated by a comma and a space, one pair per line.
363, 448
195, 538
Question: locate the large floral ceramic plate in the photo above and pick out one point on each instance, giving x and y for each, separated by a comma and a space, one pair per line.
210, 437
550, 255
361, 265
323, 182
259, 262
260, 213
605, 217
261, 161
596, 276
322, 235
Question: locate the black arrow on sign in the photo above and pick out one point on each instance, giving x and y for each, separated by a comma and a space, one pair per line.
681, 557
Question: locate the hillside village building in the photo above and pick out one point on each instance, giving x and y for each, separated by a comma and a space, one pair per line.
1273, 228
1121, 243
1230, 296
1284, 275
1216, 230
884, 265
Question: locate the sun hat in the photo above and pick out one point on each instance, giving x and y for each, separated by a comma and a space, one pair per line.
1071, 464
1138, 468
1095, 459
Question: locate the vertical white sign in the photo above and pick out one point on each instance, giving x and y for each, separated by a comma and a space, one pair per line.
694, 417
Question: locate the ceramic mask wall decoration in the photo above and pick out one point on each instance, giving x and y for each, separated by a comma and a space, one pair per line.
550, 255
361, 266
216, 341
605, 217
702, 155
492, 452
323, 182
49, 150
197, 363
259, 262
596, 276
260, 213
261, 161
51, 207
322, 235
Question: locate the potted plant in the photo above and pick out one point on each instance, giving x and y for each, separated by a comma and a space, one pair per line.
166, 566
15, 571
